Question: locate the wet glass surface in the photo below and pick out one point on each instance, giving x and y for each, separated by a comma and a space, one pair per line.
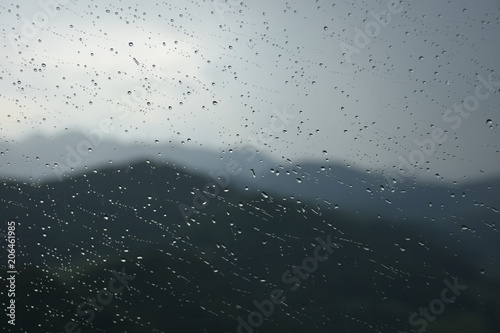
250, 166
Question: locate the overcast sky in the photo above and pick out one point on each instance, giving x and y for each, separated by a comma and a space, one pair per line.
213, 74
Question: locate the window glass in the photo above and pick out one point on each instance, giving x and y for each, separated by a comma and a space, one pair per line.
250, 166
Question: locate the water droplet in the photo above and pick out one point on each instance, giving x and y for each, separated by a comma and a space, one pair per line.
130, 44
214, 103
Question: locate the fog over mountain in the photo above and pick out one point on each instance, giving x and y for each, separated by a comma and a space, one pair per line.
326, 183
322, 185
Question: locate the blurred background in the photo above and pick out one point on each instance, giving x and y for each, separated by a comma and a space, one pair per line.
204, 146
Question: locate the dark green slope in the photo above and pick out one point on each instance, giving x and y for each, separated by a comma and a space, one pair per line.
201, 277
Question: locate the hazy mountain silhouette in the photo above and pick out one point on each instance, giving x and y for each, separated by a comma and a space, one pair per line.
328, 184
202, 276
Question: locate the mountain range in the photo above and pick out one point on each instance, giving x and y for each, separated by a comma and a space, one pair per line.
208, 235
